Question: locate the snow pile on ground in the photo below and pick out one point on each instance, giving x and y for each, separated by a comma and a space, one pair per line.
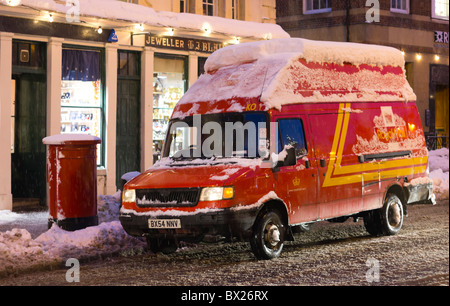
108, 207
439, 172
107, 237
18, 251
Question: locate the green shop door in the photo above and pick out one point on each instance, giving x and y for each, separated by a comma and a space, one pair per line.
28, 152
128, 157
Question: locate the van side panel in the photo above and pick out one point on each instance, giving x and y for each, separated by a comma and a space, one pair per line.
363, 149
339, 194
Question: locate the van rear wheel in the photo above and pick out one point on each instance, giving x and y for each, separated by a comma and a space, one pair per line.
267, 239
388, 220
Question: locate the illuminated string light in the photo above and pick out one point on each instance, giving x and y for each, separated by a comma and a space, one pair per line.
50, 18
99, 30
207, 28
418, 56
268, 36
12, 2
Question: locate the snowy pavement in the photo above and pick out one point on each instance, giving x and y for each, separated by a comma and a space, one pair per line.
26, 243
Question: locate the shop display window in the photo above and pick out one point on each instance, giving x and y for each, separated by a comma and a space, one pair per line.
81, 94
169, 85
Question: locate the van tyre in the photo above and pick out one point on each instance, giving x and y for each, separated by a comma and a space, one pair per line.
267, 239
388, 220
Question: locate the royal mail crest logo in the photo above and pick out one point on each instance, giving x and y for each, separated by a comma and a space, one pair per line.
296, 181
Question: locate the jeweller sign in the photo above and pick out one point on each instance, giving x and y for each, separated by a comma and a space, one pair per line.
181, 43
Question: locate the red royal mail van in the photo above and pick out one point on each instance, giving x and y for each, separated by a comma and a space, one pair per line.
281, 133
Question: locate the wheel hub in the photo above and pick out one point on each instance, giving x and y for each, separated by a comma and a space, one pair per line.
272, 235
394, 214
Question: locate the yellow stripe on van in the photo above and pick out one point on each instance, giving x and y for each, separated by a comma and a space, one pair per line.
337, 133
365, 171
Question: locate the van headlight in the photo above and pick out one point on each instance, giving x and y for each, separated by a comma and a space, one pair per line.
217, 193
129, 195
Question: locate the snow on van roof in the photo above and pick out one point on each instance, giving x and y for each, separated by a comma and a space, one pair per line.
294, 70
310, 50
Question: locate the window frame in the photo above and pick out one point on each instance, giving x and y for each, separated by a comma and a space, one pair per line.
278, 149
183, 6
101, 162
235, 9
129, 59
433, 12
315, 11
209, 4
400, 10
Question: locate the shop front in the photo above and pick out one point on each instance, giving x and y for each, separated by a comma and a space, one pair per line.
96, 83
106, 77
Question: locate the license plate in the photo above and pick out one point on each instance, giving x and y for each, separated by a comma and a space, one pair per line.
164, 223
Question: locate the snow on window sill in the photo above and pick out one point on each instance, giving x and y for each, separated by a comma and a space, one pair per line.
399, 11
318, 11
440, 18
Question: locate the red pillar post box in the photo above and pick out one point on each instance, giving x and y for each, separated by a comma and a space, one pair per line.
72, 180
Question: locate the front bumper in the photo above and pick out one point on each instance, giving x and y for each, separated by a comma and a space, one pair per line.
228, 222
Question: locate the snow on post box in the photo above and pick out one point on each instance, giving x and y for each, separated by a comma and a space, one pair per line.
72, 180
279, 134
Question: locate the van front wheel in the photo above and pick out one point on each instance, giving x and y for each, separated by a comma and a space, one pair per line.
267, 239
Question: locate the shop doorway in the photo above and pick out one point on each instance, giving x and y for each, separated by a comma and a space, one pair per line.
27, 150
28, 124
438, 121
441, 110
128, 114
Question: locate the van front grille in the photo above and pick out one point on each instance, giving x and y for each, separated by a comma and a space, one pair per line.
167, 197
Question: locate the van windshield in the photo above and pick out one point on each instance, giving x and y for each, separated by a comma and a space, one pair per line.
242, 135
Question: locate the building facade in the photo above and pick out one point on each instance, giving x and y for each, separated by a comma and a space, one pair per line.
253, 10
420, 28
106, 68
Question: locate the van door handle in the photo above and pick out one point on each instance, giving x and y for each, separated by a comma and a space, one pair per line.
322, 162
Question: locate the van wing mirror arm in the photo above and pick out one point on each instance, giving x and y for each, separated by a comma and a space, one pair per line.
291, 159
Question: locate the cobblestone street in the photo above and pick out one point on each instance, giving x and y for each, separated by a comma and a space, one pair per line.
330, 254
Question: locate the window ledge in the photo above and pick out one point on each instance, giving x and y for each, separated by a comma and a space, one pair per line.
319, 11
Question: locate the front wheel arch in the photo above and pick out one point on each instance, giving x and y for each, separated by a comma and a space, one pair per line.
280, 206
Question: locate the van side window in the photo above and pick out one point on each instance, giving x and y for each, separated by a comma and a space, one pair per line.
291, 132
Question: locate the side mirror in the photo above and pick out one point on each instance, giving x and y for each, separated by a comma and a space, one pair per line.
291, 159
